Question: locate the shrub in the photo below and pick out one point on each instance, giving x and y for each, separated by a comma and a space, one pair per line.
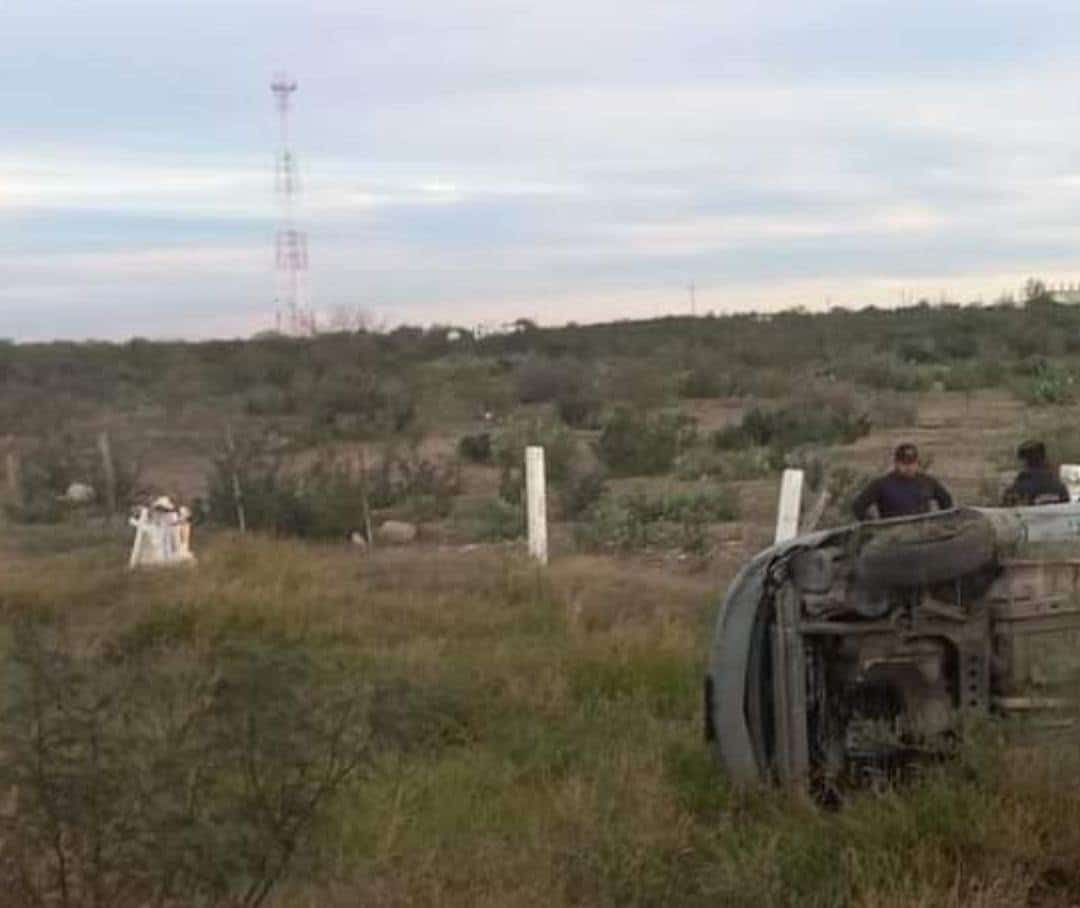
710, 377
881, 371
728, 466
489, 520
958, 344
1035, 339
482, 385
581, 491
579, 408
560, 446
968, 375
921, 350
330, 499
268, 400
403, 478
639, 383
840, 483
560, 454
809, 422
1049, 384
247, 475
613, 526
52, 462
541, 380
674, 520
475, 448
360, 404
889, 410
634, 444
135, 785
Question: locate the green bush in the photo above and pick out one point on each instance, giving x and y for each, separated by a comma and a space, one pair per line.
581, 491
958, 344
358, 403
890, 410
136, 785
639, 382
790, 427
329, 499
268, 400
541, 380
580, 408
1048, 383
1034, 339
968, 375
475, 448
711, 377
883, 372
674, 520
840, 482
50, 463
560, 454
489, 520
728, 466
632, 443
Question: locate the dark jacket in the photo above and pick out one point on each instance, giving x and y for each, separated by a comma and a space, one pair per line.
895, 495
1036, 486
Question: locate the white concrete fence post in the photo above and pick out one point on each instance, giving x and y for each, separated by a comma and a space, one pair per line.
537, 503
787, 514
1070, 476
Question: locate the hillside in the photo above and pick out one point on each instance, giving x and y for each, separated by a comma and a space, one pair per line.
295, 721
428, 424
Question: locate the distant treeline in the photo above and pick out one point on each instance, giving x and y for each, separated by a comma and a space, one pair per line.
355, 383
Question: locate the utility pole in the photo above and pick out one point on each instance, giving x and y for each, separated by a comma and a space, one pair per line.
291, 244
693, 299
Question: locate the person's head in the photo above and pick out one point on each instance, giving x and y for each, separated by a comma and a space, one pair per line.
906, 459
1032, 453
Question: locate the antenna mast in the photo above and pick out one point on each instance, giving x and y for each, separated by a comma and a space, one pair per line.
291, 245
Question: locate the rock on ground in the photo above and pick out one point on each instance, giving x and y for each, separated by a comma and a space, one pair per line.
396, 532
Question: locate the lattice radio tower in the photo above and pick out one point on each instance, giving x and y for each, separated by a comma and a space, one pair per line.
293, 313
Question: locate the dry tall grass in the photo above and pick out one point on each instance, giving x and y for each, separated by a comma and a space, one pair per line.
571, 770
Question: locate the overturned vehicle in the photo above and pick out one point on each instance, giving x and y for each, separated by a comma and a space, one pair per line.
857, 650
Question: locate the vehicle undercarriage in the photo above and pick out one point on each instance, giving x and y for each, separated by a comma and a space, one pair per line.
854, 651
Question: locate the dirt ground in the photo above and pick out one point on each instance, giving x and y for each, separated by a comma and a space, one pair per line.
961, 436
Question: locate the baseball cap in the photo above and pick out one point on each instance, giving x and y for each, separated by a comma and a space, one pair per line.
906, 453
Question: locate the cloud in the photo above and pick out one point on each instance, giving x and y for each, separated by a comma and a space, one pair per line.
483, 159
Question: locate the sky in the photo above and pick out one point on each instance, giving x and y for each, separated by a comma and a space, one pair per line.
472, 162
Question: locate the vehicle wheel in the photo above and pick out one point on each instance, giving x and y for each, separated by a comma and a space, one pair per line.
924, 552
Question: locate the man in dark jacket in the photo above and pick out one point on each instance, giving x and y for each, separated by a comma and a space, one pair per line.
1036, 483
904, 491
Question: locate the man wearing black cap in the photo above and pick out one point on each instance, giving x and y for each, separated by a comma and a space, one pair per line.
903, 492
1036, 483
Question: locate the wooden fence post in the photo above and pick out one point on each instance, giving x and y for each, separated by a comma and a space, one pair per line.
238, 494
109, 469
14, 479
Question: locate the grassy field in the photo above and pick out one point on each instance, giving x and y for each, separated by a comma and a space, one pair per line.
299, 723
547, 748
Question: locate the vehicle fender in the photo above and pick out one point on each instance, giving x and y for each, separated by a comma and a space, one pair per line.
728, 662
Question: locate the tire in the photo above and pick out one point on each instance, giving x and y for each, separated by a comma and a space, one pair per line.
921, 552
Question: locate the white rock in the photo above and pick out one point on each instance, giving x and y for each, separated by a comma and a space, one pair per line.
396, 532
79, 493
